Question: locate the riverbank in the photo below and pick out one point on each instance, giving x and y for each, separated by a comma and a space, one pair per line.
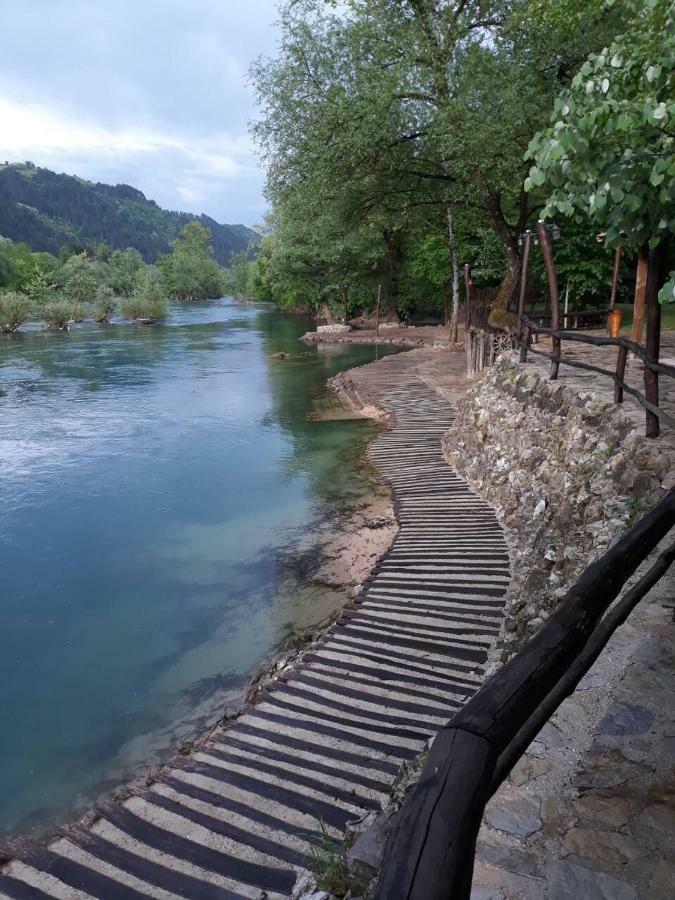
396, 335
159, 487
326, 735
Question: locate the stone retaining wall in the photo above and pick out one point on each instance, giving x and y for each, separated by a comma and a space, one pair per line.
567, 474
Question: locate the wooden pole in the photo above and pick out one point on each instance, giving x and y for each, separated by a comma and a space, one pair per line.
638, 318
655, 278
524, 344
467, 302
377, 310
545, 242
527, 243
345, 297
640, 294
615, 278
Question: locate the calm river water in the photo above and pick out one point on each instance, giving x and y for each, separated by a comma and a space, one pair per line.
156, 485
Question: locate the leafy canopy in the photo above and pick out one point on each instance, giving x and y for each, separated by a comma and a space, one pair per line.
610, 153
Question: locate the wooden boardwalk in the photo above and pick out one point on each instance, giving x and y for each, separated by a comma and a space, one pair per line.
239, 817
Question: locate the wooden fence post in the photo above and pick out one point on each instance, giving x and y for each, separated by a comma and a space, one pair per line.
467, 302
545, 242
377, 310
523, 289
638, 317
655, 278
615, 278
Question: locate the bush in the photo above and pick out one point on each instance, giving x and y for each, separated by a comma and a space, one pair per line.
57, 315
14, 310
104, 303
146, 303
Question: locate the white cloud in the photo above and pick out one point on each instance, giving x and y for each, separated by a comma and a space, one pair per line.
152, 94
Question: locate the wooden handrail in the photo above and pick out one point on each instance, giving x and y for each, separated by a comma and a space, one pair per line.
588, 367
430, 853
649, 356
599, 340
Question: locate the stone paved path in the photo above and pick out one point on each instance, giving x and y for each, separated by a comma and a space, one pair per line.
239, 816
589, 812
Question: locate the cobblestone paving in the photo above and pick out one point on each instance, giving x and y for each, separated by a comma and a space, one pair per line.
589, 812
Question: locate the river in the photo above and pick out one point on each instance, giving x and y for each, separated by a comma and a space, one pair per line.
157, 485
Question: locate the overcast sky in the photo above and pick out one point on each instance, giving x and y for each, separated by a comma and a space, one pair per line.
152, 93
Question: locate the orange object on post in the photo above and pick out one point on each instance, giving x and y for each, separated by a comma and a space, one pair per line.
614, 322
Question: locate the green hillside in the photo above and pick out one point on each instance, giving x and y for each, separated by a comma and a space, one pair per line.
46, 210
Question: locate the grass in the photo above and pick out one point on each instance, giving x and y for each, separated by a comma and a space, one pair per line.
329, 864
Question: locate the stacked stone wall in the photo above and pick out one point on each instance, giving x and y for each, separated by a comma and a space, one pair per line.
568, 474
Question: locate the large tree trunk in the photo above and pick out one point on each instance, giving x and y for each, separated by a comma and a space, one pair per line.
500, 317
452, 244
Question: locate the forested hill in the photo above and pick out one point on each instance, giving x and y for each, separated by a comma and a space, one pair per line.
46, 210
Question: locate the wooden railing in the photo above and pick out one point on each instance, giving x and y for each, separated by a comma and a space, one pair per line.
652, 368
576, 319
430, 853
653, 274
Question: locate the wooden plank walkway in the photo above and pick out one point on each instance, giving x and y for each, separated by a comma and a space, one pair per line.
239, 817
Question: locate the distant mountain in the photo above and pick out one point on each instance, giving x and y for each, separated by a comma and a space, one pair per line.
46, 210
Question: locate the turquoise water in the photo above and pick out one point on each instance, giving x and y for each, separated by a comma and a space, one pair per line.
157, 485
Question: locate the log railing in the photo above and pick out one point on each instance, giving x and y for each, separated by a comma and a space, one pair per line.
430, 853
653, 368
651, 276
576, 319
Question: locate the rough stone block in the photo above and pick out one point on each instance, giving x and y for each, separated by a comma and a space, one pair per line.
519, 816
572, 882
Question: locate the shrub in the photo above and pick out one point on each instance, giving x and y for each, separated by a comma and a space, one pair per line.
57, 315
142, 309
14, 310
104, 303
147, 302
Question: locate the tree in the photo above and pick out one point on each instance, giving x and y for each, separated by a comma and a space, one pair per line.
381, 117
78, 279
610, 154
147, 301
7, 264
190, 271
104, 303
14, 310
123, 269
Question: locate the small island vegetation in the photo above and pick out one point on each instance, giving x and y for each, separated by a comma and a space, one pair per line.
104, 284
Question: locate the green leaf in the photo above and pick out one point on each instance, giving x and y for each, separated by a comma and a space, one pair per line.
537, 177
